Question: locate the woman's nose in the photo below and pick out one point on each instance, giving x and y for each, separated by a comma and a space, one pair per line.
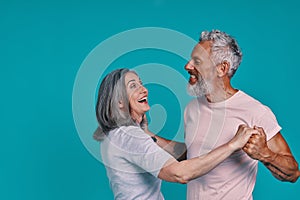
143, 89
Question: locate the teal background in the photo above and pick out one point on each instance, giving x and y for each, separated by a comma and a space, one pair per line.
43, 43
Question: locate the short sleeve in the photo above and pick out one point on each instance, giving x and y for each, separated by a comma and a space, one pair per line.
136, 147
269, 123
148, 155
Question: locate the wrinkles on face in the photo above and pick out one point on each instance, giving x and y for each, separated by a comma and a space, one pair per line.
137, 96
201, 70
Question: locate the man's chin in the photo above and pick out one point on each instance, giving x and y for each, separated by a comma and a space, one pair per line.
195, 90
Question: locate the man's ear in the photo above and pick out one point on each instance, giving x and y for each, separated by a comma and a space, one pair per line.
223, 68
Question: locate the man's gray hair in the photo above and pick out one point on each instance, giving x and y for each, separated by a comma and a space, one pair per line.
111, 93
224, 48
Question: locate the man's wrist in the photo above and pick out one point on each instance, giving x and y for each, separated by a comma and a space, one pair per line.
268, 156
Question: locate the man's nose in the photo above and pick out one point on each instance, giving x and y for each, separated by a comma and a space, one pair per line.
188, 66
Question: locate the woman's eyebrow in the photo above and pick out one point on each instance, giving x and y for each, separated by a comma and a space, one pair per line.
131, 81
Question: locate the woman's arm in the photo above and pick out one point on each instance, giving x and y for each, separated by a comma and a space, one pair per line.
188, 170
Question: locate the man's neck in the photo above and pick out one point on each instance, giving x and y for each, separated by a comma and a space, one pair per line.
221, 93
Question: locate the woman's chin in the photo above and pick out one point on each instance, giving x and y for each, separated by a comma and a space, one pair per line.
147, 109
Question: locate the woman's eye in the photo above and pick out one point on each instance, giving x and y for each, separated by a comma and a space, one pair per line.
132, 86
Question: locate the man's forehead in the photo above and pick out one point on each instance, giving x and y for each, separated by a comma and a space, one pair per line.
202, 49
206, 45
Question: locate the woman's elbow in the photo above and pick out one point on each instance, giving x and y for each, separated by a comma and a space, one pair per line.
176, 172
183, 179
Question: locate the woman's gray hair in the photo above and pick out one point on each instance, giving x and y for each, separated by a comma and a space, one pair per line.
111, 93
224, 48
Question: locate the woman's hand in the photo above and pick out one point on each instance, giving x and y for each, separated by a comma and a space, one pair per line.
242, 136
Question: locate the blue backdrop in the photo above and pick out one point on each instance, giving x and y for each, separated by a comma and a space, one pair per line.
44, 45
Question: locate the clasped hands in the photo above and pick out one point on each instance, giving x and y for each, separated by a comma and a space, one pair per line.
256, 146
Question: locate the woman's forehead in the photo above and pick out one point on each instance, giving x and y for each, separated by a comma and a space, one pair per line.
129, 76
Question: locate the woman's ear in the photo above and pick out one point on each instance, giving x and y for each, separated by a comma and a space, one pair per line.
121, 104
223, 68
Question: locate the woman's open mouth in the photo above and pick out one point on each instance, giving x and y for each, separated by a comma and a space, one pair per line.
143, 100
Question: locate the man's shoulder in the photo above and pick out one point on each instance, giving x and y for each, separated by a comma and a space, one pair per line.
246, 98
249, 102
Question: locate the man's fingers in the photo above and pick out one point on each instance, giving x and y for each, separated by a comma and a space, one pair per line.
260, 130
251, 133
245, 148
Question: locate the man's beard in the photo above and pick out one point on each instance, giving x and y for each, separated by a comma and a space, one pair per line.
198, 89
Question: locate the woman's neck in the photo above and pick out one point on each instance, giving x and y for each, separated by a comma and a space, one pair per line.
137, 117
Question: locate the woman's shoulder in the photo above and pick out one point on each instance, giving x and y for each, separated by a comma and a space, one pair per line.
129, 132
129, 138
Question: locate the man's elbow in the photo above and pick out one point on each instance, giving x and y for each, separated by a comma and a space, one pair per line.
296, 176
291, 177
182, 157
180, 151
295, 172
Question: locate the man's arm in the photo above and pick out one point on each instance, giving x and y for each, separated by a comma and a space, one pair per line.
176, 149
274, 154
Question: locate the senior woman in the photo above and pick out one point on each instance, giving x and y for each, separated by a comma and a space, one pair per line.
135, 164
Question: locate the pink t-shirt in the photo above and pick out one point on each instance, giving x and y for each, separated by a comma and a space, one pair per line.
209, 125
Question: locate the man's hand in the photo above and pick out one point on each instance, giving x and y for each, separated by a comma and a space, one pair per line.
274, 154
257, 147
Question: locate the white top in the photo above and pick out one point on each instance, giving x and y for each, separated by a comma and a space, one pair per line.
209, 125
133, 161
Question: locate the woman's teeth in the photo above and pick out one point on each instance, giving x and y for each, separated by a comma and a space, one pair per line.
142, 100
